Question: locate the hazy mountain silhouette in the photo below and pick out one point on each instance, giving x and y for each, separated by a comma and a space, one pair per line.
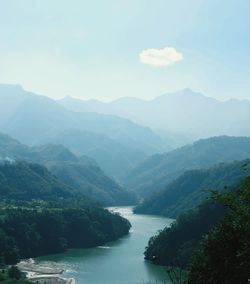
35, 119
184, 112
115, 158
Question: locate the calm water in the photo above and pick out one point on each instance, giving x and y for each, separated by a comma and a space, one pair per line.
119, 262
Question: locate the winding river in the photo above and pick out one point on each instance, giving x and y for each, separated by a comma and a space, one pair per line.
119, 262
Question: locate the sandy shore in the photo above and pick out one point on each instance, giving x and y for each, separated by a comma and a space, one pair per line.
41, 274
51, 279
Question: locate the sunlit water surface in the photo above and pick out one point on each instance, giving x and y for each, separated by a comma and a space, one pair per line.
119, 262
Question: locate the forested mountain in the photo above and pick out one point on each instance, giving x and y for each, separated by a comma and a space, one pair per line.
156, 172
29, 233
176, 244
184, 112
38, 119
114, 157
192, 187
41, 215
82, 173
22, 181
211, 242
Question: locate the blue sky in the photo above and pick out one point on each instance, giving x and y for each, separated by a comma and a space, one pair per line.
90, 49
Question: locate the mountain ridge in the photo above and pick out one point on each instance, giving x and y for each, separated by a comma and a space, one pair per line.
184, 112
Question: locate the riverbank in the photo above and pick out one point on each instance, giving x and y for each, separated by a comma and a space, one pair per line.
118, 262
41, 274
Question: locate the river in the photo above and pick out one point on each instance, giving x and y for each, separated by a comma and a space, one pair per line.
119, 262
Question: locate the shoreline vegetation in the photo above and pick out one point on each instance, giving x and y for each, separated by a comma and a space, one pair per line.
211, 243
39, 215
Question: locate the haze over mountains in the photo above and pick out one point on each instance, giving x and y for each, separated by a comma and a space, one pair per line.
69, 158
78, 172
187, 113
35, 119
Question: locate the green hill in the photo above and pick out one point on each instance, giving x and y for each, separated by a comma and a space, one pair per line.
192, 187
116, 143
156, 172
41, 215
22, 181
210, 242
113, 157
82, 173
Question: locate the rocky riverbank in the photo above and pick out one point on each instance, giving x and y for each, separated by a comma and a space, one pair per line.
41, 274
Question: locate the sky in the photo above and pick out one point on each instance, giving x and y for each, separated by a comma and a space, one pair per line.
107, 49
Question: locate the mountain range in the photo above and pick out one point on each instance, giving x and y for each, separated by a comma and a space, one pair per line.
81, 173
185, 113
157, 171
191, 188
35, 119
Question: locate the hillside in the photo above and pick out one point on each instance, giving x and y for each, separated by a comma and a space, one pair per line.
40, 215
82, 173
211, 242
115, 158
156, 172
176, 244
192, 187
183, 112
37, 118
22, 181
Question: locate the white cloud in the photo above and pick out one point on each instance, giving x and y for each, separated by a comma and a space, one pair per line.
160, 57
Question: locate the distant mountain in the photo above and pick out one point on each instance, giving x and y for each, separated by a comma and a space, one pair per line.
116, 158
156, 172
80, 173
185, 112
35, 119
38, 116
11, 96
192, 187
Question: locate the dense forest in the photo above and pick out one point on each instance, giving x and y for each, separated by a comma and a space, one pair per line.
156, 172
41, 215
192, 187
22, 181
13, 275
211, 242
79, 172
26, 233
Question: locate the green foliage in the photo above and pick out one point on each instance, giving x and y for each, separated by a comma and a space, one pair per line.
14, 272
224, 256
12, 275
113, 157
27, 181
26, 233
157, 171
82, 173
174, 246
191, 188
91, 181
41, 215
212, 242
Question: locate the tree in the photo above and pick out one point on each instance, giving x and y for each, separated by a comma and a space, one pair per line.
224, 257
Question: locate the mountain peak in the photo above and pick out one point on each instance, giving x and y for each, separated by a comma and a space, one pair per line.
10, 88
